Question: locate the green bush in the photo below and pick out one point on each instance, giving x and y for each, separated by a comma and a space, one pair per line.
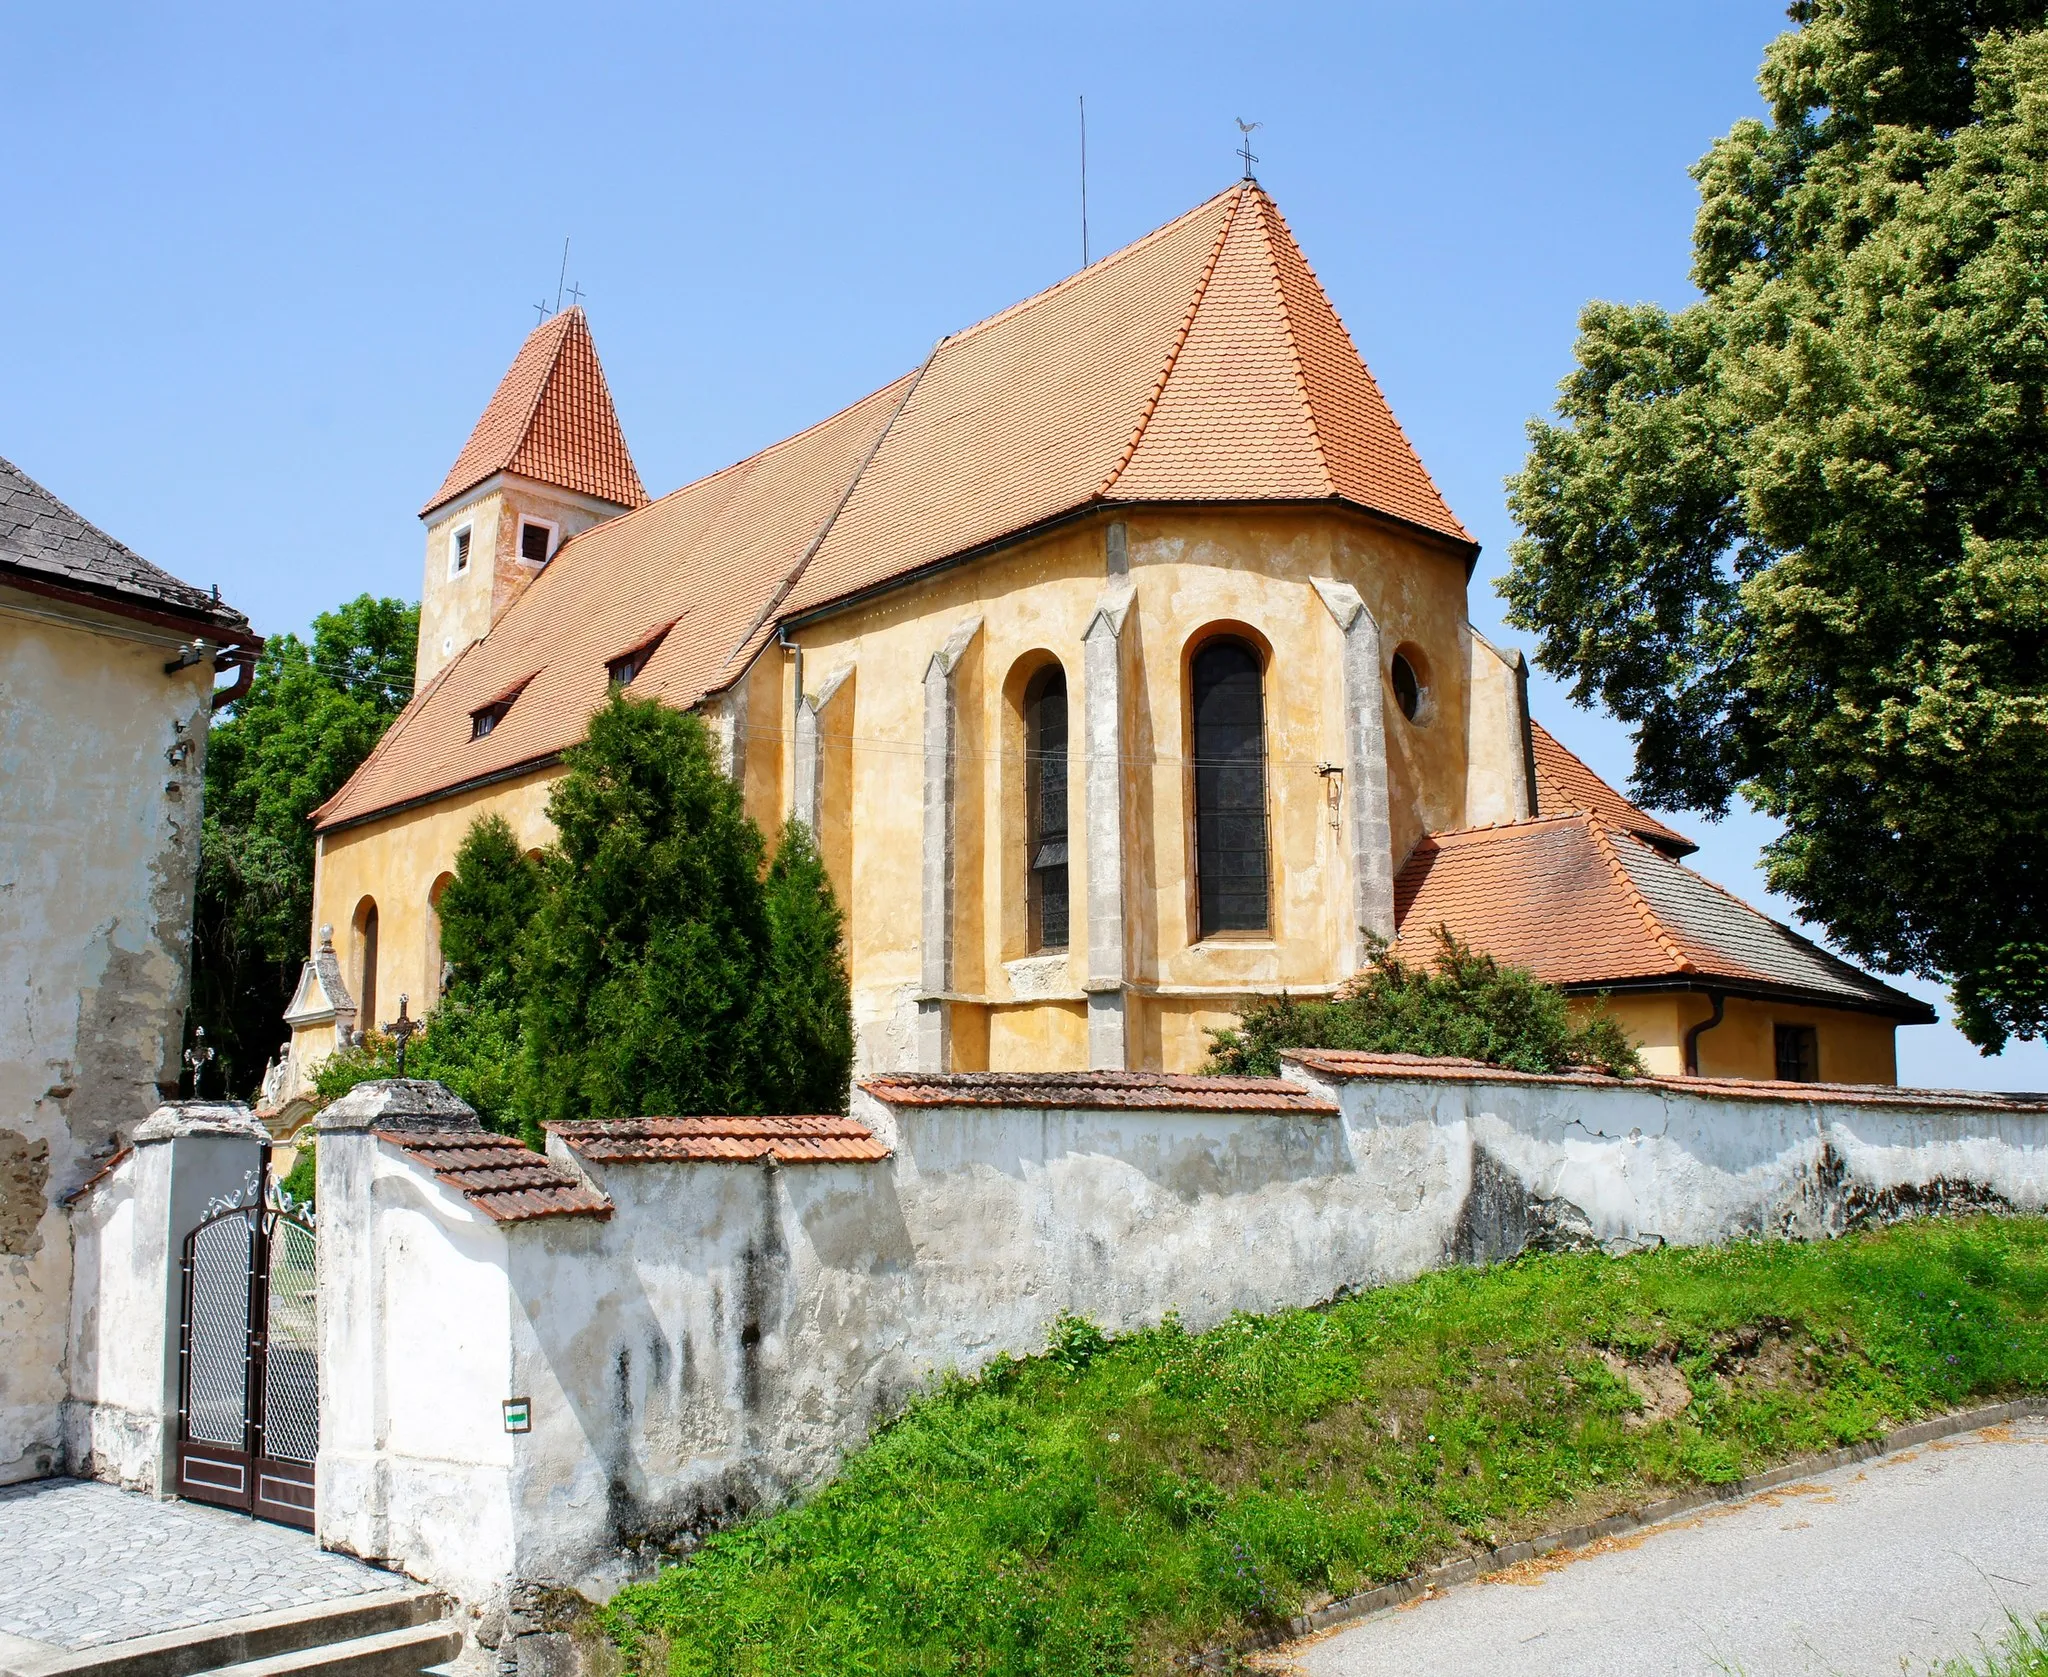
1111, 1507
300, 1181
1465, 1006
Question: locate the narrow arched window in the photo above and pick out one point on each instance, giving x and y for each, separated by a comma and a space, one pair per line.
366, 964
437, 966
1230, 788
1045, 802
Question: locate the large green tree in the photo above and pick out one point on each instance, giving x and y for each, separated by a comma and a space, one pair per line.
312, 713
1797, 533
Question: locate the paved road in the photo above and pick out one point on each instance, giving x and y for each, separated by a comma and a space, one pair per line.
84, 1564
1877, 1569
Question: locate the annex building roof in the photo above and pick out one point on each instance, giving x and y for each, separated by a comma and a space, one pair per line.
1202, 363
45, 546
1586, 905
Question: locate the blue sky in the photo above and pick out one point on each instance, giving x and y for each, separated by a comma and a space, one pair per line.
266, 264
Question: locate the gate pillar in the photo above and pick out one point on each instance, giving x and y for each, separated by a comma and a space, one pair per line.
353, 1476
189, 1160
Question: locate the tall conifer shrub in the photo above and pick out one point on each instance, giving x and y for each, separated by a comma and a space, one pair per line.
807, 1046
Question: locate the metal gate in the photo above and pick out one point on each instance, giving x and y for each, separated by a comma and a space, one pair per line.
248, 1368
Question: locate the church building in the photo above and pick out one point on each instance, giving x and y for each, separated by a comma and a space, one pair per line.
1118, 657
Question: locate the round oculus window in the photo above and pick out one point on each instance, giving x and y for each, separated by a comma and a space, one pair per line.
1408, 688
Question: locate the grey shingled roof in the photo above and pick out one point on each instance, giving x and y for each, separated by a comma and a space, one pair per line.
41, 537
1722, 925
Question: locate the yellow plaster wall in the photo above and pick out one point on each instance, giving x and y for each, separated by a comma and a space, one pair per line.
1191, 572
396, 862
1854, 1047
1496, 769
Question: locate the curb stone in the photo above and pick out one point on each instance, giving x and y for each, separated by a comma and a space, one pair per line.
1365, 1603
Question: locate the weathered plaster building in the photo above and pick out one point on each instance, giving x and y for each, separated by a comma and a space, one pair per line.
106, 683
1118, 655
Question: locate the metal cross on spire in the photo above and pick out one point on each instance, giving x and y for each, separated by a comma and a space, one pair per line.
575, 295
402, 1030
1244, 149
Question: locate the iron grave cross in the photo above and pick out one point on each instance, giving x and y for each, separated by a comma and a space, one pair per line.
403, 1029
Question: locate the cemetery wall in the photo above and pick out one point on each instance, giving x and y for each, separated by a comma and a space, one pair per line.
723, 1332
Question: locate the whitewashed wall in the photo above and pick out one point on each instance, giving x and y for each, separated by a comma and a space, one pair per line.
190, 1159
730, 1330
101, 776
415, 1362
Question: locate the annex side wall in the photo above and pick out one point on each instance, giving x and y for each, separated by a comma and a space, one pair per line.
101, 756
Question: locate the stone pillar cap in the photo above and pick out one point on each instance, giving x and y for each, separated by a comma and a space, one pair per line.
399, 1103
182, 1118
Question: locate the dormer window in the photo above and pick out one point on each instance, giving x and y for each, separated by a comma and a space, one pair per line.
458, 552
485, 718
536, 540
627, 665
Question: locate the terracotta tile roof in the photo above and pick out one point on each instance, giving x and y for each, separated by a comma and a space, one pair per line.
43, 540
1202, 362
551, 420
1268, 398
1564, 783
706, 559
1583, 905
1346, 1064
820, 1139
502, 1179
1095, 1091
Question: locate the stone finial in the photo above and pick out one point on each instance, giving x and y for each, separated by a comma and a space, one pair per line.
399, 1103
182, 1118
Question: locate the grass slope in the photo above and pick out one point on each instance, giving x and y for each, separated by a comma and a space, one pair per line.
1107, 1508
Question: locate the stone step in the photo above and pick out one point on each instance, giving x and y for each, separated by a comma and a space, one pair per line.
393, 1653
245, 1643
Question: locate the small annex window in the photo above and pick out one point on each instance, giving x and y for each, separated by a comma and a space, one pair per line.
1798, 1049
627, 665
536, 540
458, 551
1045, 797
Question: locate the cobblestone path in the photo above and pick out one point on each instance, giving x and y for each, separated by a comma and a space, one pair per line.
82, 1564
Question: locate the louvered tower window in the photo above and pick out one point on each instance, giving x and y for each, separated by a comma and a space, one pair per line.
1230, 788
1045, 797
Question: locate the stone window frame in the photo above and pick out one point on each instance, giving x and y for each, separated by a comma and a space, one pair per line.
459, 550
1229, 629
528, 521
1031, 841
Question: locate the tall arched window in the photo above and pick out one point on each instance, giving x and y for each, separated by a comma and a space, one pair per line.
1045, 804
1230, 788
366, 964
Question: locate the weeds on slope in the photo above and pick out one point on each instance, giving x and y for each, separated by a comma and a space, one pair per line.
1108, 1507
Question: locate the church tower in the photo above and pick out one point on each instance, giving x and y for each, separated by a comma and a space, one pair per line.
546, 460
